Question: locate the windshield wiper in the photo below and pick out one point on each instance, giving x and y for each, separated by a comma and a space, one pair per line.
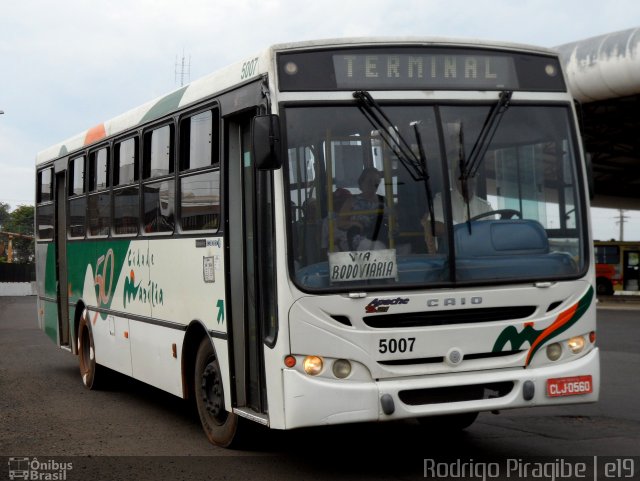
464, 186
416, 166
425, 169
487, 132
469, 167
395, 141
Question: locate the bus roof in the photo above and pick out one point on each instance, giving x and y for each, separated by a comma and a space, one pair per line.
426, 41
244, 71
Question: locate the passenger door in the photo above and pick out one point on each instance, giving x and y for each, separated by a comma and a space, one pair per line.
251, 273
61, 259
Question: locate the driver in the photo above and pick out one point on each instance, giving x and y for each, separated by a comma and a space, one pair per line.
477, 206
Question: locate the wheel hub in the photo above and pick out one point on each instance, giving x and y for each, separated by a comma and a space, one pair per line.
211, 390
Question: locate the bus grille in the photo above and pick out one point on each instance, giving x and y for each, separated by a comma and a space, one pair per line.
440, 359
439, 395
455, 316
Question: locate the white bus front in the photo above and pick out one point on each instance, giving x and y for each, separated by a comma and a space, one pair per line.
438, 242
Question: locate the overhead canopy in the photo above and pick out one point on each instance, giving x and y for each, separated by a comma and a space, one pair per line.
603, 67
604, 75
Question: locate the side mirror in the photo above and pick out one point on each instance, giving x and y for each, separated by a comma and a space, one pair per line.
267, 151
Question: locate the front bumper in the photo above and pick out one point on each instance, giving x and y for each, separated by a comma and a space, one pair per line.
312, 401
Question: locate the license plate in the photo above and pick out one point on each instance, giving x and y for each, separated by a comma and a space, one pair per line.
569, 386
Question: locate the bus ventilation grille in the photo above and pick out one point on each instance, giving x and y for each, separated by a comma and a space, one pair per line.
440, 395
455, 316
440, 359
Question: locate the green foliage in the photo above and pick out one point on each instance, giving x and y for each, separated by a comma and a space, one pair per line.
4, 213
20, 221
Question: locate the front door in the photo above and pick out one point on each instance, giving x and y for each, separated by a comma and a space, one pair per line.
250, 242
61, 259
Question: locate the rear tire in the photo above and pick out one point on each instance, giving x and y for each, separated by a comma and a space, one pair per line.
91, 373
449, 422
220, 426
604, 287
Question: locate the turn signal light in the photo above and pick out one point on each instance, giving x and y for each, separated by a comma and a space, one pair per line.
289, 361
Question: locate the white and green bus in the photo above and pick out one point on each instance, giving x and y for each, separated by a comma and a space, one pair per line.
332, 232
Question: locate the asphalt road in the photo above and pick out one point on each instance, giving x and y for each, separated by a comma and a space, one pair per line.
134, 431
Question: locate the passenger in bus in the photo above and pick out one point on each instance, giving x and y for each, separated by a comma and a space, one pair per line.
340, 242
364, 215
459, 210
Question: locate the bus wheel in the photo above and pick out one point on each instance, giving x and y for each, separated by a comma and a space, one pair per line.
449, 422
90, 372
219, 425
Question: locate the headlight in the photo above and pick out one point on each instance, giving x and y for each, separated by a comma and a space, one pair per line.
341, 368
576, 344
312, 365
554, 351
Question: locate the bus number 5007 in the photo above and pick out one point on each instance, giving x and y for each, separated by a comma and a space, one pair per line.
404, 344
248, 68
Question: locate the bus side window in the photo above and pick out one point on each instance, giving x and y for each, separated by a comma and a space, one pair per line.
125, 192
158, 197
44, 207
99, 203
77, 198
199, 172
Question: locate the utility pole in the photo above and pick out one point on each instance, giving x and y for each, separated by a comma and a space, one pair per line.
9, 247
621, 220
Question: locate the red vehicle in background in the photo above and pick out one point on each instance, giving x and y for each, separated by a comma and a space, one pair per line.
617, 266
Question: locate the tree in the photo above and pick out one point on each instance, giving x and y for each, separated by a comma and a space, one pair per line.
4, 213
20, 221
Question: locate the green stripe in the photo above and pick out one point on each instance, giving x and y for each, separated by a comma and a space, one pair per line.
530, 334
583, 305
164, 106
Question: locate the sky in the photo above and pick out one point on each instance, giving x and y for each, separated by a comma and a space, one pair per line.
68, 65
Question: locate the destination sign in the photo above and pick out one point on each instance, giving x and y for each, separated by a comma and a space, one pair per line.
437, 71
362, 265
418, 68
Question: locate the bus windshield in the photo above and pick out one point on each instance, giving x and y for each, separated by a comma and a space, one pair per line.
408, 196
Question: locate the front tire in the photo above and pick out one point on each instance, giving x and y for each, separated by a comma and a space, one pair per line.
220, 426
92, 374
604, 287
